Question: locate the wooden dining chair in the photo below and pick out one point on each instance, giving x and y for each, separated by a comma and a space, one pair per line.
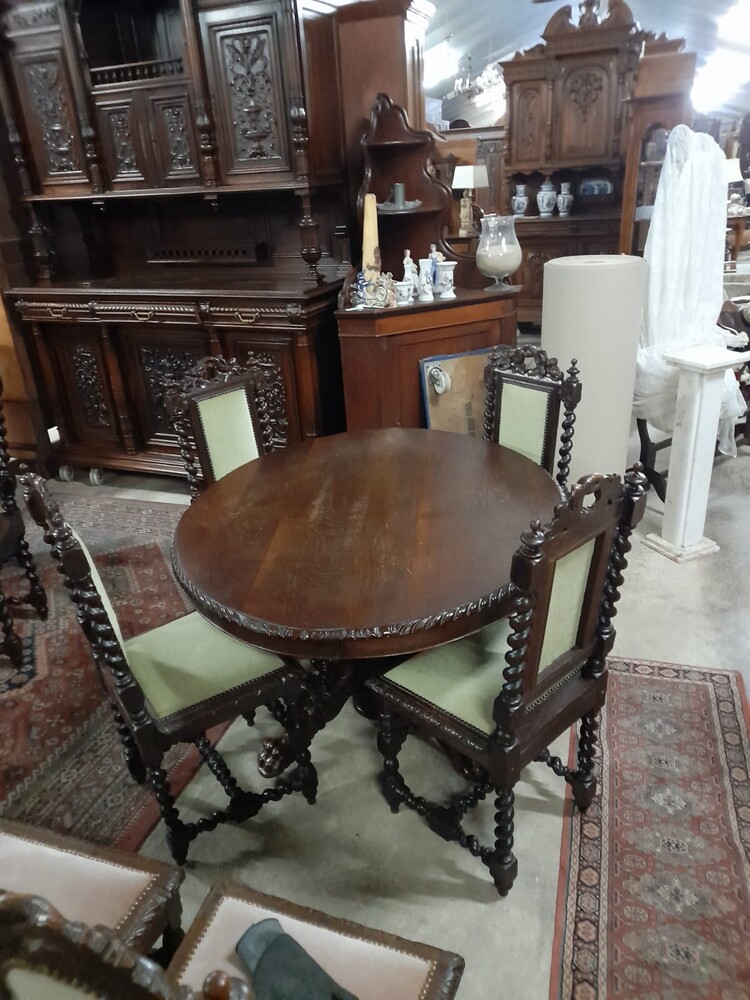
566, 578
225, 414
171, 684
13, 545
525, 390
43, 956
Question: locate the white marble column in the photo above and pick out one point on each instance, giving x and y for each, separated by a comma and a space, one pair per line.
693, 444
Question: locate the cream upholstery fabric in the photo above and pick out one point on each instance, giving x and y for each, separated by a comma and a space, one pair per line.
566, 602
189, 660
523, 414
228, 426
369, 971
27, 984
81, 887
462, 677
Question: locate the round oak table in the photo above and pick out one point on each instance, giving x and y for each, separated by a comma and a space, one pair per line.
359, 546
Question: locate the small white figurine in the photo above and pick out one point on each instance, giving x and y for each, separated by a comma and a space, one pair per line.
435, 257
411, 272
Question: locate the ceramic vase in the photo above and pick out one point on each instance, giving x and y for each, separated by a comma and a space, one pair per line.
425, 280
445, 269
546, 199
564, 200
520, 200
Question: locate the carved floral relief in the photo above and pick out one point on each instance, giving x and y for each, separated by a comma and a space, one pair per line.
48, 97
248, 65
89, 384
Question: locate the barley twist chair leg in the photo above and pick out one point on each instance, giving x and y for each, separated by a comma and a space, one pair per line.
11, 644
502, 862
391, 738
584, 782
37, 597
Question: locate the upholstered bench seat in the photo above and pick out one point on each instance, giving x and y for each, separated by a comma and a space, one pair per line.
135, 896
370, 964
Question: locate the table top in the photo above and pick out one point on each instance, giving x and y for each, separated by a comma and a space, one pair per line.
373, 543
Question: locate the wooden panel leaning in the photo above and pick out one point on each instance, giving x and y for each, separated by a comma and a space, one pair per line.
42, 954
173, 683
525, 390
135, 896
566, 578
228, 413
371, 964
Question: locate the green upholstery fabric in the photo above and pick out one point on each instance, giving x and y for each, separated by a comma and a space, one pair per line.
462, 677
188, 661
566, 603
97, 580
28, 984
228, 427
523, 416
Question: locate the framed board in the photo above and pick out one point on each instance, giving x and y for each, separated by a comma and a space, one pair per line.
453, 391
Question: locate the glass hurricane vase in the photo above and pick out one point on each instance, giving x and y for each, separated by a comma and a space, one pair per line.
499, 252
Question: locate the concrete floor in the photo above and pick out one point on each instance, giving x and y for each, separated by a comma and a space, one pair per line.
349, 856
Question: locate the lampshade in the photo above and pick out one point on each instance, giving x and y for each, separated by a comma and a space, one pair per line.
733, 172
470, 176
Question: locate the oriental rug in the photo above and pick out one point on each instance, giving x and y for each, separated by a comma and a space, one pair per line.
654, 890
60, 762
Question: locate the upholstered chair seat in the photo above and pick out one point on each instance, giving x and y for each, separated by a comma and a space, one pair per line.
136, 897
494, 701
370, 964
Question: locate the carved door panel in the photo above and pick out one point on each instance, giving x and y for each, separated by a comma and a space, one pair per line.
170, 124
528, 124
49, 114
151, 355
586, 93
83, 387
243, 45
123, 147
276, 348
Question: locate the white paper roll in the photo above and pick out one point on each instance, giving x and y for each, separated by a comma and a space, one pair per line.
591, 310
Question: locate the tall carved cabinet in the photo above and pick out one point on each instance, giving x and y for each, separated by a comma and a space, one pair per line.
179, 163
566, 121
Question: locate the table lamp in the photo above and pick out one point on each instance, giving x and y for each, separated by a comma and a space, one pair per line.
469, 177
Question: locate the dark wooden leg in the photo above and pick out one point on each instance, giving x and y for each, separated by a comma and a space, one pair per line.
584, 782
179, 834
648, 461
502, 862
391, 736
11, 644
37, 597
130, 752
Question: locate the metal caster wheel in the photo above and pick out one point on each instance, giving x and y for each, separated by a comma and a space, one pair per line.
66, 473
96, 477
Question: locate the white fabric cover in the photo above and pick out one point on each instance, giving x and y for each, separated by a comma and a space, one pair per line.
684, 287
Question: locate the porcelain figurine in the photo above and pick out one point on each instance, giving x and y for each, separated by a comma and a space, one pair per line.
435, 257
411, 272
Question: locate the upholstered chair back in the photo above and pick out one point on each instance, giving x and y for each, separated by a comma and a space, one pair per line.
226, 425
225, 415
525, 390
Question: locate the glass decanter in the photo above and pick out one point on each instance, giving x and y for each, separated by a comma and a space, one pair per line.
499, 252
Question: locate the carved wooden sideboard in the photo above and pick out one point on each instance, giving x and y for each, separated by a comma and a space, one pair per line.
566, 121
100, 358
179, 164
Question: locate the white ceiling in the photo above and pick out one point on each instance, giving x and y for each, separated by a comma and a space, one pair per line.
490, 30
